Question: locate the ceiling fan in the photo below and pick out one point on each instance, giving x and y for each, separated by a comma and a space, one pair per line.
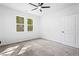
39, 6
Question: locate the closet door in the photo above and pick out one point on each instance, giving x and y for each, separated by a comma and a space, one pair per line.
69, 26
60, 32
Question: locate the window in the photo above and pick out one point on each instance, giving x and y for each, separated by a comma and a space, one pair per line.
30, 24
20, 23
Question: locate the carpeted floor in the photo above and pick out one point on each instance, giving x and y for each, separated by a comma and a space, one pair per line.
38, 47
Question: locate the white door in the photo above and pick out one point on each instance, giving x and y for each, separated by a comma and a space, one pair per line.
69, 26
60, 30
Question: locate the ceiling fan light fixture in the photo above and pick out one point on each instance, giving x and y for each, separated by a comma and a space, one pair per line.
39, 7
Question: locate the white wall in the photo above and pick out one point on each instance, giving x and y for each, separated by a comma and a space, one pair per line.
53, 23
1, 24
77, 30
8, 33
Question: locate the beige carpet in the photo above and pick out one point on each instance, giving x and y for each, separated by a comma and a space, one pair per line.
38, 47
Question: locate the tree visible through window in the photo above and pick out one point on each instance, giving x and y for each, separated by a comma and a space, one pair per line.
20, 24
30, 24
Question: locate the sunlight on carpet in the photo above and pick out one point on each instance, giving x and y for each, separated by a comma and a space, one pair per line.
24, 49
8, 51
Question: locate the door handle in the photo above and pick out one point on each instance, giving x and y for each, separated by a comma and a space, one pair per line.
62, 31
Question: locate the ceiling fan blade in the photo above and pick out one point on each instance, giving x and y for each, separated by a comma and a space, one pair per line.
40, 10
34, 9
33, 5
45, 7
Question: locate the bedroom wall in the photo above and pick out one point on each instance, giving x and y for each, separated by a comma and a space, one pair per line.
1, 25
8, 33
60, 25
